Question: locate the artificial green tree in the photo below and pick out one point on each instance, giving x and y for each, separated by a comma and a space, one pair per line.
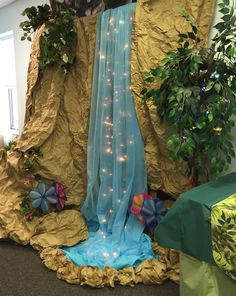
197, 97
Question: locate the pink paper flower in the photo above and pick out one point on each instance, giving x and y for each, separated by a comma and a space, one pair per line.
61, 196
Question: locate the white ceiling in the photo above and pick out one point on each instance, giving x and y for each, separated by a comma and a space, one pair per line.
5, 2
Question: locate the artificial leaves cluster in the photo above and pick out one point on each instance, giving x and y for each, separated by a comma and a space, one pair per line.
58, 38
29, 167
197, 97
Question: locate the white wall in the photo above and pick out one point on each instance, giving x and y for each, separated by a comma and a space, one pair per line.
10, 18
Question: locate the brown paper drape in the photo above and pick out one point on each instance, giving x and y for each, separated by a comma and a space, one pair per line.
56, 121
156, 27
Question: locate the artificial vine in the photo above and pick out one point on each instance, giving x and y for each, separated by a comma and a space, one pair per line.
38, 199
58, 38
29, 167
197, 97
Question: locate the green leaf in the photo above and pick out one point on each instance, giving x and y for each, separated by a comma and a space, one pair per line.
169, 143
221, 5
232, 153
224, 10
143, 91
187, 93
191, 142
234, 111
220, 26
210, 117
226, 2
209, 86
171, 54
165, 60
194, 30
217, 87
149, 79
183, 36
191, 35
172, 113
186, 44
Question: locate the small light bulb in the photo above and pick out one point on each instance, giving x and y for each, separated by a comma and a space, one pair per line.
106, 254
111, 21
121, 21
108, 123
121, 159
104, 220
109, 150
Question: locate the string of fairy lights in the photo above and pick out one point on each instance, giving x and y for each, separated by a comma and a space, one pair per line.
113, 149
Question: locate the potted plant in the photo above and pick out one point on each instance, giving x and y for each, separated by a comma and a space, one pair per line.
197, 97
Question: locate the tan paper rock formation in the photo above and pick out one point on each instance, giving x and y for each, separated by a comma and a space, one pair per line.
56, 121
57, 111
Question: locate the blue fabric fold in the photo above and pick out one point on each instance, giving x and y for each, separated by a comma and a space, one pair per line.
116, 164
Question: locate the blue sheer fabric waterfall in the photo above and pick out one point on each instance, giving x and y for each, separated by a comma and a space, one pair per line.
116, 165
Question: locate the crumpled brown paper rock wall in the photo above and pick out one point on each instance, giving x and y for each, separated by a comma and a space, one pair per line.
156, 27
56, 121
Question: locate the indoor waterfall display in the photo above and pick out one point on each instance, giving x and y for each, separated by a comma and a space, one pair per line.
116, 165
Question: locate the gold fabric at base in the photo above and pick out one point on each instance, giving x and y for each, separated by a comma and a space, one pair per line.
57, 113
148, 272
156, 27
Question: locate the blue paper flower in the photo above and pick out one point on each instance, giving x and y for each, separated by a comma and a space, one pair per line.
153, 211
149, 210
42, 197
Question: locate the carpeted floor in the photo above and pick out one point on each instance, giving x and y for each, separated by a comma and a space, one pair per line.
23, 274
